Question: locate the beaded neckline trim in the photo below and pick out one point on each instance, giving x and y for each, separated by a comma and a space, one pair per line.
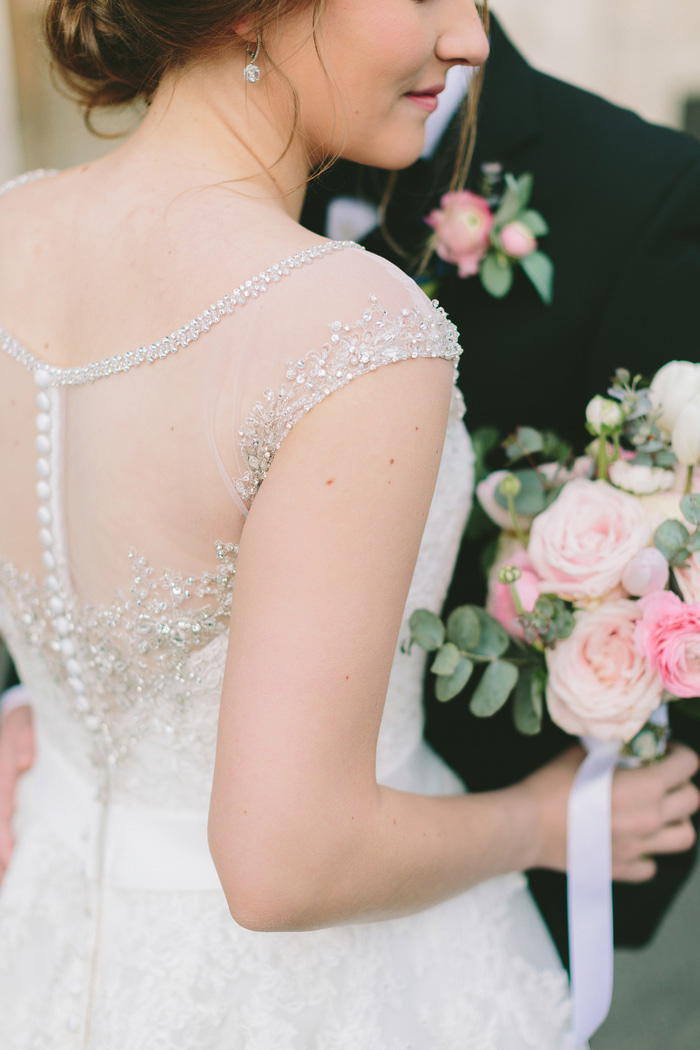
171, 343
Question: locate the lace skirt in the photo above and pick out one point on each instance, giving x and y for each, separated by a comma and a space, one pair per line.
104, 945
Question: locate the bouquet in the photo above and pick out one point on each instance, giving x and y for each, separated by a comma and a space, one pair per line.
594, 592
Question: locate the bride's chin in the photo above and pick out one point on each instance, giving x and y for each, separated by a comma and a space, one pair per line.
392, 156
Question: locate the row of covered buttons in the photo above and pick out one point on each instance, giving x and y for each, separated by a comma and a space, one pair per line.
57, 604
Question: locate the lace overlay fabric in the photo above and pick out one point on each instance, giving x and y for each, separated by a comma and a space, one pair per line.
116, 607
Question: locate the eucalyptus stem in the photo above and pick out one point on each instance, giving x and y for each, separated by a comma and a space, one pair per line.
602, 458
510, 500
520, 608
689, 480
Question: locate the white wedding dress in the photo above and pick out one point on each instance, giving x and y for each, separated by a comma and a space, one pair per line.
114, 930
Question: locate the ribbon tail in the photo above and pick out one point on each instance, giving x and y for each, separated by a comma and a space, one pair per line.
589, 866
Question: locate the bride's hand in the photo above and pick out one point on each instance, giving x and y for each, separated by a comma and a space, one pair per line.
651, 811
16, 757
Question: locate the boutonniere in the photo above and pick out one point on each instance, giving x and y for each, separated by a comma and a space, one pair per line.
492, 235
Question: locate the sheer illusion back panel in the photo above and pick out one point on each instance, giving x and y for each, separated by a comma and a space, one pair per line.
151, 460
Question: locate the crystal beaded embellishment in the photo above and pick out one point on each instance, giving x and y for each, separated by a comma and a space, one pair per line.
183, 336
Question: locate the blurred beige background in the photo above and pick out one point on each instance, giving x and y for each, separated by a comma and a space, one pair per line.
638, 53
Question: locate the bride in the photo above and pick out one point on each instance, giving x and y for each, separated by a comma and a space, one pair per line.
233, 836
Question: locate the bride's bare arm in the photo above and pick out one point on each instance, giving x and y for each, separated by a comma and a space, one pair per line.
301, 833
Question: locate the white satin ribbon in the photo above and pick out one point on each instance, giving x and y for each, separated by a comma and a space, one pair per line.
589, 866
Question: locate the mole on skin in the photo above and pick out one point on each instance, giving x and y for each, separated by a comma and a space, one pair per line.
330, 481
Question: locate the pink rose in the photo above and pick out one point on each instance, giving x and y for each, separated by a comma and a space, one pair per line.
582, 543
647, 572
463, 226
499, 601
669, 637
517, 240
689, 579
600, 684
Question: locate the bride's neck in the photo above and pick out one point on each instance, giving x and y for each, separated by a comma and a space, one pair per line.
209, 122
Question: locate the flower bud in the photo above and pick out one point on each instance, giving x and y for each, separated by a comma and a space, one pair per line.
673, 386
604, 412
518, 240
646, 572
510, 486
509, 574
685, 439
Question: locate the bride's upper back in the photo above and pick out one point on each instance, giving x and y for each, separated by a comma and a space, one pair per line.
162, 347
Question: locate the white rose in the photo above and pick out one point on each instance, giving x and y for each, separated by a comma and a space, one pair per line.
672, 387
603, 412
640, 480
685, 439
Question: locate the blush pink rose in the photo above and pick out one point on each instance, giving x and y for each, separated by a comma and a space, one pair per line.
517, 240
463, 226
582, 543
689, 579
668, 634
600, 684
499, 601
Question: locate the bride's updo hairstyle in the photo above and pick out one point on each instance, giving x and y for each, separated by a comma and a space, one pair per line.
111, 52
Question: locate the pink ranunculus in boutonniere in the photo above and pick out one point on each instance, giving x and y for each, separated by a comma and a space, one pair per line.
463, 225
492, 235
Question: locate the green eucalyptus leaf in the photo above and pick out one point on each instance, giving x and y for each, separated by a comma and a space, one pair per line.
446, 660
494, 640
526, 442
427, 629
464, 629
525, 184
535, 223
670, 538
540, 269
496, 275
690, 509
545, 606
446, 688
528, 703
532, 497
693, 544
510, 205
494, 689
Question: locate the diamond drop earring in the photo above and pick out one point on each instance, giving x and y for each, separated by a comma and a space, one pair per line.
251, 73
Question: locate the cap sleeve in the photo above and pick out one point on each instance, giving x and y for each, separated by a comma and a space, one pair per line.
378, 338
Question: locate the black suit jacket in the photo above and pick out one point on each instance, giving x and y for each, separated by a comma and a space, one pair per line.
622, 199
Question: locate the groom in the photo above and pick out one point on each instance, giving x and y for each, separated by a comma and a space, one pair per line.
622, 200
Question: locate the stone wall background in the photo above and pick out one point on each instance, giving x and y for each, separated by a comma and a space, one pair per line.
638, 53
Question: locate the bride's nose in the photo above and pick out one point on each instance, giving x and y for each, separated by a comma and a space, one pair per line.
463, 39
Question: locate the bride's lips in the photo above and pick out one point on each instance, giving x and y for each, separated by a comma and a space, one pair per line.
427, 99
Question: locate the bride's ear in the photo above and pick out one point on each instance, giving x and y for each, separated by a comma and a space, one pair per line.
245, 29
